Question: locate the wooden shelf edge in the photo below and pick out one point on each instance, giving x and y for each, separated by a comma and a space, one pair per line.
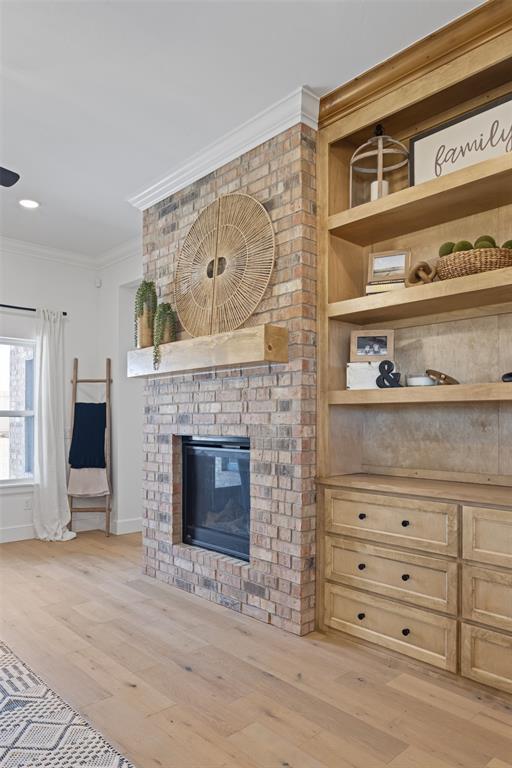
460, 293
476, 493
461, 193
438, 395
246, 346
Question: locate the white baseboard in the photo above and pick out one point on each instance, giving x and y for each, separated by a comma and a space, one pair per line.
17, 533
25, 532
128, 525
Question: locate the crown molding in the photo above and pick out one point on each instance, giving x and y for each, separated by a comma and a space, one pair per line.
300, 106
123, 252
22, 248
458, 38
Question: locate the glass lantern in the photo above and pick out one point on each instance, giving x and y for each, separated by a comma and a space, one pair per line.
379, 156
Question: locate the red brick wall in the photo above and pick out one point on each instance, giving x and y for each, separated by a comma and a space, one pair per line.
273, 405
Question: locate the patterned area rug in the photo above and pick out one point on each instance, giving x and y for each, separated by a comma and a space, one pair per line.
39, 730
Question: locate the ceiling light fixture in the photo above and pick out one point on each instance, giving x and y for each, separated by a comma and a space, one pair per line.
29, 203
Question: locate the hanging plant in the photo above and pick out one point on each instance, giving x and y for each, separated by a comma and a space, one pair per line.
145, 308
164, 330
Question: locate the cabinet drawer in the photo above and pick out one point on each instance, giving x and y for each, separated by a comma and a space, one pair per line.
487, 596
486, 657
424, 581
414, 523
487, 535
411, 631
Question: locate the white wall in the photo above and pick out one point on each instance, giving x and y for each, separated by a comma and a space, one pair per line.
117, 294
99, 324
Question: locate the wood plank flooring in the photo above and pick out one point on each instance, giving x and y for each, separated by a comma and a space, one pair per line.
176, 682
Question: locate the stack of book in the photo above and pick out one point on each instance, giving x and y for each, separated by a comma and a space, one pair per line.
380, 286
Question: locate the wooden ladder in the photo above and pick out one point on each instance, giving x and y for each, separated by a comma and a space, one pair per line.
75, 381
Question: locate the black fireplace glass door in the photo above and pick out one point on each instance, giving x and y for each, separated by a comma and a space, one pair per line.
216, 498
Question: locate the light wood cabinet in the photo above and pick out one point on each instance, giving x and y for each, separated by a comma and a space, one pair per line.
487, 535
416, 633
487, 596
486, 656
423, 581
413, 523
417, 482
393, 589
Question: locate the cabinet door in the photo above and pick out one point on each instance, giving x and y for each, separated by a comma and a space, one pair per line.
487, 535
413, 523
410, 631
425, 581
486, 657
487, 596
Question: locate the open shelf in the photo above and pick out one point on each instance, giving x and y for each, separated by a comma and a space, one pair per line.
461, 193
460, 293
437, 395
245, 346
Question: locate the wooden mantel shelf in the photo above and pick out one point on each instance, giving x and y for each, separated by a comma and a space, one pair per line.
245, 346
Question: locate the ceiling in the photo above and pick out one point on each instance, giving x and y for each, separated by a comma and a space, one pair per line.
100, 99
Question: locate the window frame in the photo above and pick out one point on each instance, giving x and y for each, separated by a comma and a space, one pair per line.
20, 481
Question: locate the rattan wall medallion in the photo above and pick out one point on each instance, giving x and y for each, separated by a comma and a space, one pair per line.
224, 266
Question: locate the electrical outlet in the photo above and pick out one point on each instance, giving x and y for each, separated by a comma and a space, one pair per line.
28, 505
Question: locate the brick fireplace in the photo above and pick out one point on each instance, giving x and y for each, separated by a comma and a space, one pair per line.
272, 405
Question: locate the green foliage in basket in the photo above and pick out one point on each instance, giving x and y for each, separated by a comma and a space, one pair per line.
484, 244
507, 244
145, 297
485, 241
165, 317
446, 249
463, 245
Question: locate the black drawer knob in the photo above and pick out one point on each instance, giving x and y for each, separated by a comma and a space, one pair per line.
361, 616
405, 577
361, 566
405, 523
362, 516
406, 631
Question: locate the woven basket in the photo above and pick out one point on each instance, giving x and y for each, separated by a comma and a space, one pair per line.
472, 262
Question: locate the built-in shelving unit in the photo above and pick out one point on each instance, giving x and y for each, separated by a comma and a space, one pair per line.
439, 395
415, 483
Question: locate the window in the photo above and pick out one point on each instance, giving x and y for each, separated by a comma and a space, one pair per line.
16, 410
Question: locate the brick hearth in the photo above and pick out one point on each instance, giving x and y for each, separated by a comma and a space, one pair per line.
273, 405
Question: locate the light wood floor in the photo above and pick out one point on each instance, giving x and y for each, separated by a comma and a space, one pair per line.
176, 682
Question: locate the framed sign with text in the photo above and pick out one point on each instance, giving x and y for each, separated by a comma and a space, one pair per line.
478, 135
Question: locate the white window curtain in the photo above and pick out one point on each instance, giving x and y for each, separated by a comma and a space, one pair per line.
51, 509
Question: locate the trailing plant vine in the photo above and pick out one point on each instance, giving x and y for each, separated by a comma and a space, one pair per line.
165, 319
145, 297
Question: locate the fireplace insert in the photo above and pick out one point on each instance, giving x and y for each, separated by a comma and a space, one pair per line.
216, 494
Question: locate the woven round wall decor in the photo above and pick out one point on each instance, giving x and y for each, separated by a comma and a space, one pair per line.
224, 266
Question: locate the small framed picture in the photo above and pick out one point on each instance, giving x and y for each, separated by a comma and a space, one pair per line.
371, 346
388, 266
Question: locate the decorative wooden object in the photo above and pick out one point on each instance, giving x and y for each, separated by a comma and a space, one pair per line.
224, 266
423, 272
245, 346
424, 471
